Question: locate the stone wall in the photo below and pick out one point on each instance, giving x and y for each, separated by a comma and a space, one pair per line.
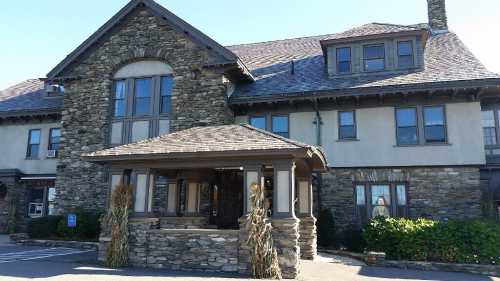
198, 250
437, 192
87, 100
13, 207
183, 222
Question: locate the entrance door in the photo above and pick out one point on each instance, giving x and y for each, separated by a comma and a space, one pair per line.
227, 199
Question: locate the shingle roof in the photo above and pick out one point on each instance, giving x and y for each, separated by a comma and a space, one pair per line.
204, 141
375, 29
447, 60
27, 97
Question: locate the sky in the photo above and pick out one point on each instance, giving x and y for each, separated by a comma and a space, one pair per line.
35, 35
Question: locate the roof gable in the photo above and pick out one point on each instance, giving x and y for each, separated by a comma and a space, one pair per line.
177, 23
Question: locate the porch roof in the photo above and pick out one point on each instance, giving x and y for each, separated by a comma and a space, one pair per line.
227, 141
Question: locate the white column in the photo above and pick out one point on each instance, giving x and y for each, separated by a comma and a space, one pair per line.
172, 198
284, 190
192, 198
305, 196
252, 175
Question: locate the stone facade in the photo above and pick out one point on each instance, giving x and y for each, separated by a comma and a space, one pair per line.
286, 241
307, 238
13, 207
437, 15
437, 192
87, 102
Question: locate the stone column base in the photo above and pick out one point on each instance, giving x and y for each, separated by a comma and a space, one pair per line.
308, 238
243, 249
286, 241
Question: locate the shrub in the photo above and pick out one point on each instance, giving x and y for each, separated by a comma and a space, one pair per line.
326, 229
457, 241
352, 240
87, 226
44, 227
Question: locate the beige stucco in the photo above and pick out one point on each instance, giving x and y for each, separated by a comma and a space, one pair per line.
13, 146
143, 68
376, 144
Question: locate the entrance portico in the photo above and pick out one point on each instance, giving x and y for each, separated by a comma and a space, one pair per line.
200, 179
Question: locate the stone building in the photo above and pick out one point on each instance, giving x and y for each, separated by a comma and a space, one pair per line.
398, 120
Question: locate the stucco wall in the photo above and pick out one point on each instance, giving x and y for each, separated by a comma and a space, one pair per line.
13, 147
376, 144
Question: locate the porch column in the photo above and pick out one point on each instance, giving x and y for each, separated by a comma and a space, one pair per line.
193, 199
285, 223
172, 198
307, 226
252, 175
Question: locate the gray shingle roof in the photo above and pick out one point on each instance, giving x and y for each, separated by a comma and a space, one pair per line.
375, 29
447, 60
204, 141
27, 98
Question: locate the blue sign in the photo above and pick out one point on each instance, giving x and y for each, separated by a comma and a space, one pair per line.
71, 220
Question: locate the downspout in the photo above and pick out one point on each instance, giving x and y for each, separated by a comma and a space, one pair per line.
318, 122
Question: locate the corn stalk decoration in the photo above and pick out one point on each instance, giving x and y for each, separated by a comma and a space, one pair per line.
263, 254
117, 220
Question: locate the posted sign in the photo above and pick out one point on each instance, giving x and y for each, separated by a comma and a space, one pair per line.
71, 220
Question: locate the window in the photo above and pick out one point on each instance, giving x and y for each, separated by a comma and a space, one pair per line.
167, 84
119, 98
489, 127
384, 200
374, 57
142, 97
54, 139
258, 122
434, 124
344, 60
280, 125
347, 125
405, 54
407, 128
33, 143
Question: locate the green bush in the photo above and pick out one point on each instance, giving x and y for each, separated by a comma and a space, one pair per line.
326, 229
87, 227
456, 241
44, 227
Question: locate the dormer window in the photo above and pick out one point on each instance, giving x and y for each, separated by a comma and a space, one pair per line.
405, 54
54, 90
374, 57
344, 60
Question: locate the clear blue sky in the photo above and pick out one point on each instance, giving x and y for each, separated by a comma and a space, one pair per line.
37, 34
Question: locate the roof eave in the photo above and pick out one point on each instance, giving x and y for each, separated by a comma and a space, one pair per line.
419, 32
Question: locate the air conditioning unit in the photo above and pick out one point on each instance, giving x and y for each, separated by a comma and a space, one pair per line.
51, 153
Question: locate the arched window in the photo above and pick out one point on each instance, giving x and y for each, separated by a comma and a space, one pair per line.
142, 93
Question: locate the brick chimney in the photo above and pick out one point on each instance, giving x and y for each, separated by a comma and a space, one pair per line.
437, 15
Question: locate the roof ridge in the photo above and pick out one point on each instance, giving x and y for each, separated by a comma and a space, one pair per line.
289, 141
279, 40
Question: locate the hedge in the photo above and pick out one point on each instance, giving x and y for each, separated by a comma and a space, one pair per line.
454, 241
55, 227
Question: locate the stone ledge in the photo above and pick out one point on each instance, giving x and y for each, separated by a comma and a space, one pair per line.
194, 231
59, 243
489, 270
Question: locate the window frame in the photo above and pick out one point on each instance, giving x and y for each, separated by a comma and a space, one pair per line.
496, 127
343, 61
412, 54
394, 204
355, 125
151, 97
398, 143
29, 148
421, 139
161, 96
124, 99
250, 117
378, 58
287, 125
445, 127
49, 147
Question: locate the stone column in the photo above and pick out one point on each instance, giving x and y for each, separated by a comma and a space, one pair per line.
138, 239
307, 229
285, 224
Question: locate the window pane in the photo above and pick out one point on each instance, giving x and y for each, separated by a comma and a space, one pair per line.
119, 108
35, 137
343, 54
374, 65
374, 52
280, 124
164, 127
166, 94
116, 133
490, 136
347, 132
407, 135
119, 99
140, 130
381, 200
55, 137
33, 150
346, 118
344, 67
488, 118
258, 122
435, 133
360, 195
119, 89
434, 116
405, 48
401, 194
142, 104
406, 117
405, 62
